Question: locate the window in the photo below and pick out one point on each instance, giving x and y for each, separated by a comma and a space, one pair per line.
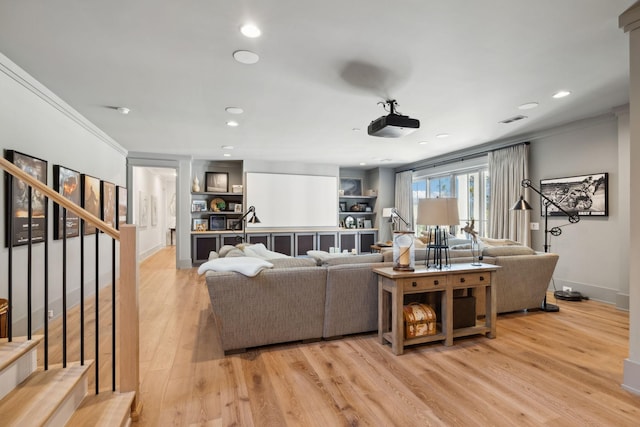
470, 185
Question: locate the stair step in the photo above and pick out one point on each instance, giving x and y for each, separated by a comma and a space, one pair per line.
18, 359
107, 409
46, 398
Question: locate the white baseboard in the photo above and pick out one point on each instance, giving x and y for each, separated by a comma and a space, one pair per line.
631, 377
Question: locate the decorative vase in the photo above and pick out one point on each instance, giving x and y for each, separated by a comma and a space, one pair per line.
475, 252
196, 185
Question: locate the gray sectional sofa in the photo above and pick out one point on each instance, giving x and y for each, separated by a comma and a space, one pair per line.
298, 299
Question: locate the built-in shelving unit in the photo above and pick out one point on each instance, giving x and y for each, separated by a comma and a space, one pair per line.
356, 211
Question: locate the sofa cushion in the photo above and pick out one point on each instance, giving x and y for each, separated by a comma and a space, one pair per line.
247, 266
225, 250
290, 262
507, 250
259, 250
354, 259
322, 256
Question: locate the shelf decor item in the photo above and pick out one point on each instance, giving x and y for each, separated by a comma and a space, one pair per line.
419, 320
216, 182
196, 185
198, 206
199, 224
404, 256
351, 186
218, 205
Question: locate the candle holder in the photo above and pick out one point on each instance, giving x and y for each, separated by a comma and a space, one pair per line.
404, 257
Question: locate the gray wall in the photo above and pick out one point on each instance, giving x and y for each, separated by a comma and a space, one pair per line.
590, 251
36, 122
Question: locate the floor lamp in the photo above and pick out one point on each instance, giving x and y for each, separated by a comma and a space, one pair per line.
522, 205
243, 220
394, 218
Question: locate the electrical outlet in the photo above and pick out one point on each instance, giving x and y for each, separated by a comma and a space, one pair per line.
50, 314
534, 226
567, 288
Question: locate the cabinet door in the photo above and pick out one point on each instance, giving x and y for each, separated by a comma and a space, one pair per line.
230, 239
366, 239
259, 238
326, 241
348, 241
282, 243
304, 242
202, 245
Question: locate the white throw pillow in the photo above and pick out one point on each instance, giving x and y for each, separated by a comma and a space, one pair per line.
244, 265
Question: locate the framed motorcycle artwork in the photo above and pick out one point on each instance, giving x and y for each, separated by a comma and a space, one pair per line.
584, 195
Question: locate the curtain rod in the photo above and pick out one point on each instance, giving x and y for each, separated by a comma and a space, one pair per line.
457, 156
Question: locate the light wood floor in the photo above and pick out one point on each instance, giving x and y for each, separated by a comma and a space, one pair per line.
543, 369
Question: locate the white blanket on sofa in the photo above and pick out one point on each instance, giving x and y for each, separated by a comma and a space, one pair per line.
248, 266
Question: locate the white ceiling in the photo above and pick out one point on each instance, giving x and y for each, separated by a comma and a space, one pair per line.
458, 66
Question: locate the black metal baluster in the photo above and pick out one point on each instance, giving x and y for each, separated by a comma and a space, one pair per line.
113, 314
46, 286
29, 254
64, 288
97, 337
9, 238
82, 291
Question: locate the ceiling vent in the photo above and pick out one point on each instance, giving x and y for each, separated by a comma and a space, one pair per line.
513, 119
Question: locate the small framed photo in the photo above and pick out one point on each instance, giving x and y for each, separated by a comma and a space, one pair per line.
199, 224
351, 186
216, 182
217, 222
234, 224
237, 208
367, 223
343, 206
362, 207
368, 209
198, 206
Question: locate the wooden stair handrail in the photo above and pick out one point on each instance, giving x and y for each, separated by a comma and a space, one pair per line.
57, 198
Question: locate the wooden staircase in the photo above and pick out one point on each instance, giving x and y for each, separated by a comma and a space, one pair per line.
30, 396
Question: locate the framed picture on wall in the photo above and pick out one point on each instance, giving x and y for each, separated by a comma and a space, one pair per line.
121, 201
582, 195
216, 182
351, 186
66, 182
154, 210
18, 201
108, 199
143, 209
91, 200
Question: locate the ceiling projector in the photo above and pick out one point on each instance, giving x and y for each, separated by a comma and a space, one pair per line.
393, 125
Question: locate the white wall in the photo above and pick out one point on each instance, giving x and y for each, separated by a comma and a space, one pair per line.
36, 122
590, 251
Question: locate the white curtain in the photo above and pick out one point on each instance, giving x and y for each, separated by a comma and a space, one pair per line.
404, 197
507, 168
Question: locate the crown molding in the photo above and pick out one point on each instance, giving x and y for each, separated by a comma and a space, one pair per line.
14, 72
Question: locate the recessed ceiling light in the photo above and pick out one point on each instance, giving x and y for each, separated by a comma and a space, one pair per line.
245, 57
442, 135
528, 106
363, 164
423, 142
227, 147
561, 94
356, 129
123, 110
232, 123
227, 155
250, 30
234, 110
